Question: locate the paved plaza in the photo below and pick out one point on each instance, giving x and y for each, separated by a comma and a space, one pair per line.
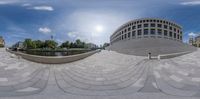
104, 75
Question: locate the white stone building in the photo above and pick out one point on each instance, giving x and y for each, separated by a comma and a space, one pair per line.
148, 35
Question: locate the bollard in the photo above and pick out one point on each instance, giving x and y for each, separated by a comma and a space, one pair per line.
149, 55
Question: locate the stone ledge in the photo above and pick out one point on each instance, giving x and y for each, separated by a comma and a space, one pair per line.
165, 56
54, 60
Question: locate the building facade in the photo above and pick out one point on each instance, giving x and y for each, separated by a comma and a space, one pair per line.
148, 28
195, 41
18, 46
2, 42
91, 46
147, 35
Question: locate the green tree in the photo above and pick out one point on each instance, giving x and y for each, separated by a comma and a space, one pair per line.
29, 44
39, 44
65, 44
50, 44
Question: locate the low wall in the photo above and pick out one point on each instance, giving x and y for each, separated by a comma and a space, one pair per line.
166, 56
54, 60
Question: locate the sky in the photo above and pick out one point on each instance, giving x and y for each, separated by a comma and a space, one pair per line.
89, 20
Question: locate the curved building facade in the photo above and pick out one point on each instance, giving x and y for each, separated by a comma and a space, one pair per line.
149, 35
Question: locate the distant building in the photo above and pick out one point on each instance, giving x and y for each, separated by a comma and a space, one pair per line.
195, 41
18, 46
191, 40
2, 42
91, 46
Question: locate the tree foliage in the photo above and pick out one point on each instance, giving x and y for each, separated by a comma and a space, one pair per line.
30, 44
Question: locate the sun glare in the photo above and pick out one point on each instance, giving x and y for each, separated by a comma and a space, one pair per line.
99, 28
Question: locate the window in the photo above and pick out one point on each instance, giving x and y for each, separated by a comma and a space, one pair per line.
159, 25
139, 26
153, 32
170, 34
125, 31
133, 27
125, 36
146, 25
129, 29
133, 33
174, 35
165, 26
165, 33
181, 37
153, 25
139, 32
174, 29
170, 28
159, 32
146, 31
122, 37
129, 35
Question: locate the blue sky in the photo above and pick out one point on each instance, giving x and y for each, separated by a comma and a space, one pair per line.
88, 20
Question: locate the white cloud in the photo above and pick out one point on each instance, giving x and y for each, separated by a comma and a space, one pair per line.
45, 30
26, 5
192, 34
191, 3
43, 8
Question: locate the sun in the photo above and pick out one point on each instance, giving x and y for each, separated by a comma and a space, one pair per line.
99, 28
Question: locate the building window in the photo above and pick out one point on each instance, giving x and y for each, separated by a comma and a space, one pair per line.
170, 34
159, 25
170, 28
146, 31
174, 29
159, 32
153, 32
153, 25
146, 25
133, 33
129, 35
165, 33
139, 32
125, 36
174, 35
133, 27
165, 26
181, 37
139, 26
129, 29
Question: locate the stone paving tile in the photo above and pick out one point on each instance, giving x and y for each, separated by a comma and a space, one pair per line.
105, 75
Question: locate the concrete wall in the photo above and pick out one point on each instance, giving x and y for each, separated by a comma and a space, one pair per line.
56, 59
156, 46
